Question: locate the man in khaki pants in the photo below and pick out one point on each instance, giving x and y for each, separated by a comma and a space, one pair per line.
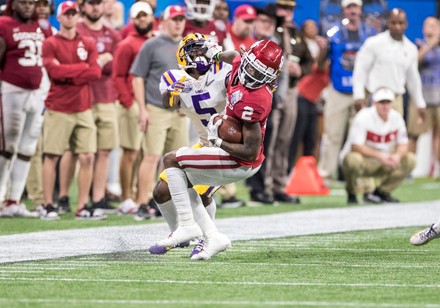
377, 146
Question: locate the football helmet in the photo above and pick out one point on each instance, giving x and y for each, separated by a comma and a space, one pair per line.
260, 64
191, 53
200, 9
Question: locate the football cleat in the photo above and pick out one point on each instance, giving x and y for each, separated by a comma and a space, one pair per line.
182, 234
213, 245
159, 250
424, 236
198, 248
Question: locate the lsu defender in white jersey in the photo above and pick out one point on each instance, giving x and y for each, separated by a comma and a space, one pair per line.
202, 97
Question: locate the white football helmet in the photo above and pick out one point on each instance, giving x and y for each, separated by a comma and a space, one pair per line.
200, 9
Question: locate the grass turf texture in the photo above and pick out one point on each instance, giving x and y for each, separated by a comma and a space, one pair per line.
357, 269
419, 190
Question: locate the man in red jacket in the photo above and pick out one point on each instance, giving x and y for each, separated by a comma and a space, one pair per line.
71, 61
130, 134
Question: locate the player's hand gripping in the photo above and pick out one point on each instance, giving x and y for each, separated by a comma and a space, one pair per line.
175, 89
212, 50
213, 138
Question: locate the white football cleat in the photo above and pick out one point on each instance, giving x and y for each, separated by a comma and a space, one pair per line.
213, 245
182, 234
424, 236
17, 210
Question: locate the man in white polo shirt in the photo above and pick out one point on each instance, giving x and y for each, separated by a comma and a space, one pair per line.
389, 59
377, 146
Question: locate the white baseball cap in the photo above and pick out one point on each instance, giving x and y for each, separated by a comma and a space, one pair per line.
345, 3
383, 94
138, 7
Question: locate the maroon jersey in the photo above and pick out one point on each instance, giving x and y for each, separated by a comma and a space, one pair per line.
22, 60
106, 40
70, 89
215, 29
248, 105
123, 58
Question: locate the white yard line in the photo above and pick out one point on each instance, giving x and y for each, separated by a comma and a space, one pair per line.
56, 244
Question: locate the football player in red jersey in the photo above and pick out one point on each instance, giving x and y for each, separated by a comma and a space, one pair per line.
249, 100
199, 14
21, 38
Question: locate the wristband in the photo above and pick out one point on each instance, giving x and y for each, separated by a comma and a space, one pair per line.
217, 57
218, 142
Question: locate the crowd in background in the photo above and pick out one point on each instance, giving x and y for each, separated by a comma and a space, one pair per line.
104, 122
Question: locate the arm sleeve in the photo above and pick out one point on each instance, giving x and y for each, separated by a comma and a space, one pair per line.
414, 83
61, 71
358, 132
93, 72
120, 73
362, 65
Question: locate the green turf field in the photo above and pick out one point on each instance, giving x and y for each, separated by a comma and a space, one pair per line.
355, 269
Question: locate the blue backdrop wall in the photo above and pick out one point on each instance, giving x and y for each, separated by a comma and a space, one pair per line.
417, 10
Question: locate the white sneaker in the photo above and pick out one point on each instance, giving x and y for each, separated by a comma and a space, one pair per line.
182, 234
48, 212
424, 236
127, 206
214, 244
17, 210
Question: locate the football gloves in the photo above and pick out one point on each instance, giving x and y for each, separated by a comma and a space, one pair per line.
213, 138
175, 89
212, 50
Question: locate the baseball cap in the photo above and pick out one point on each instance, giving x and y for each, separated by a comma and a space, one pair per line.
345, 3
383, 94
245, 12
172, 11
63, 7
138, 7
287, 3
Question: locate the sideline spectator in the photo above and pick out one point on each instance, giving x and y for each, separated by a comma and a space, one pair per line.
240, 31
71, 61
377, 146
389, 59
129, 130
429, 68
309, 93
221, 11
345, 40
164, 130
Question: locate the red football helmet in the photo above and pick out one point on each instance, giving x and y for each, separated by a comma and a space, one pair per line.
260, 64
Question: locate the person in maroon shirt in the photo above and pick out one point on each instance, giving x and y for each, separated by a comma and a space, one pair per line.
249, 101
21, 38
129, 130
71, 61
241, 30
104, 107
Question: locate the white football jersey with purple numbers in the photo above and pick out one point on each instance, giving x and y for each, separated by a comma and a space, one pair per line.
203, 97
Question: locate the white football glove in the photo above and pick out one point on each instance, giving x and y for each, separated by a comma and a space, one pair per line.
213, 138
212, 49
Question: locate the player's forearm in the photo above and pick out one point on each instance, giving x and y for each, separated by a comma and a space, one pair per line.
228, 56
240, 150
2, 49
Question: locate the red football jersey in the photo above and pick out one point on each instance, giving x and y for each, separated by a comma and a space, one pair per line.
122, 60
22, 59
248, 105
106, 40
70, 80
215, 29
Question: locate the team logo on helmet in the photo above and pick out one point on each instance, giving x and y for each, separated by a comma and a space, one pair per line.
191, 53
